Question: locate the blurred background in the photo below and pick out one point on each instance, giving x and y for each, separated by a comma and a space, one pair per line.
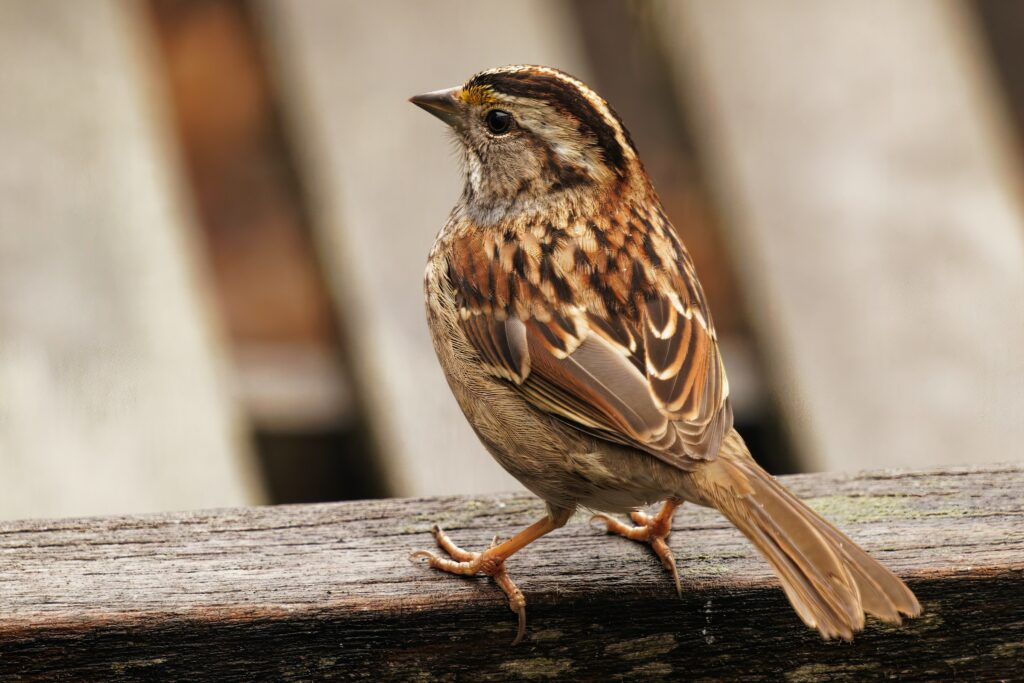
214, 217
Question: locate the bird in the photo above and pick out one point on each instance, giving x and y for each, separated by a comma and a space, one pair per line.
568, 319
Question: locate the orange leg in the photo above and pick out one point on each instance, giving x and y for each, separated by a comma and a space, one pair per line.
653, 530
492, 561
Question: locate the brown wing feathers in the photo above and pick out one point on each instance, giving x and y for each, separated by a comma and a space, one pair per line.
685, 372
502, 348
610, 386
579, 319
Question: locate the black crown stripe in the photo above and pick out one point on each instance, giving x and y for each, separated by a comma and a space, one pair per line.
567, 97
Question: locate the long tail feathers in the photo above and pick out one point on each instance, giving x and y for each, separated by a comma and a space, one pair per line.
830, 581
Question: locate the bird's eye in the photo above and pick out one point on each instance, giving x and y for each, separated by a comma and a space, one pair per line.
498, 122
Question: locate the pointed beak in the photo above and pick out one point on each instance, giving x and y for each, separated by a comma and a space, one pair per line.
441, 103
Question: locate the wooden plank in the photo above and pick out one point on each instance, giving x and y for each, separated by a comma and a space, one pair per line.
110, 392
327, 591
858, 159
382, 181
272, 299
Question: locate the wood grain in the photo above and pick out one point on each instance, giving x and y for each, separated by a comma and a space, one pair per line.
327, 591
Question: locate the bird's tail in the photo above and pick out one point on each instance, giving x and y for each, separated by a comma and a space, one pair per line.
830, 581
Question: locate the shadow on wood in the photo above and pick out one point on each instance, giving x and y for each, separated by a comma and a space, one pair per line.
294, 592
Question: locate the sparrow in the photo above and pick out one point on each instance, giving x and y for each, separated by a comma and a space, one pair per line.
573, 331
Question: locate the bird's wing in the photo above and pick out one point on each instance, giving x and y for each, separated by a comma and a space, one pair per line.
610, 333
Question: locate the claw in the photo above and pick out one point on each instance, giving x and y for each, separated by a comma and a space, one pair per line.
668, 561
468, 563
421, 555
652, 530
521, 631
516, 602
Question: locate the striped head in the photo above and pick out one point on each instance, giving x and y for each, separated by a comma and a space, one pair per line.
530, 136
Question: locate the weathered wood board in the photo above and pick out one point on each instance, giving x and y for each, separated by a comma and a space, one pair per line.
327, 592
110, 391
859, 157
383, 179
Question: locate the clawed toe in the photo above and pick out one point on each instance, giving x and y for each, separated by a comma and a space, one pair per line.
641, 518
668, 561
641, 532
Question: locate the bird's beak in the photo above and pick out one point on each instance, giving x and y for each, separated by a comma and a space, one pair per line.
441, 103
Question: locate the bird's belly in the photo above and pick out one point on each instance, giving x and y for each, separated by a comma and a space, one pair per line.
555, 461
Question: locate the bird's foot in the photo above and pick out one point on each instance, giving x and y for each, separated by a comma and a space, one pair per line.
649, 529
469, 563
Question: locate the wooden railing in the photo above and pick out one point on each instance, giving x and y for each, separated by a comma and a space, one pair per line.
296, 592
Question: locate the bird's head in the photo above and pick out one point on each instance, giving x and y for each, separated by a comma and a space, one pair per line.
530, 136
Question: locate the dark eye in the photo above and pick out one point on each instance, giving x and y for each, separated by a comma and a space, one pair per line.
498, 122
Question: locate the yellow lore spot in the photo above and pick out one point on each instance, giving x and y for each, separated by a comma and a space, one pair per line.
477, 95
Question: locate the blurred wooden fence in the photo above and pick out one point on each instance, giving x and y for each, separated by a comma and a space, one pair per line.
856, 151
111, 373
863, 161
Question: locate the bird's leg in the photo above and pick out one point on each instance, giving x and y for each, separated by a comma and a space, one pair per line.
492, 561
648, 529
